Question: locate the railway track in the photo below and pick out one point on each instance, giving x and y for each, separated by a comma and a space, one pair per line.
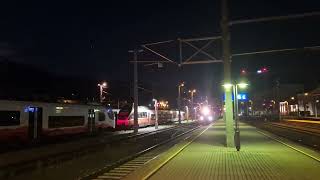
125, 166
42, 162
301, 134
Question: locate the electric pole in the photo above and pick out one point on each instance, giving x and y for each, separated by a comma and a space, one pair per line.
135, 89
227, 75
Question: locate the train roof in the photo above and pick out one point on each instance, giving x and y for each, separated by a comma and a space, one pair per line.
46, 103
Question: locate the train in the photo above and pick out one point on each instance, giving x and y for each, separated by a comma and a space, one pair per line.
146, 117
25, 121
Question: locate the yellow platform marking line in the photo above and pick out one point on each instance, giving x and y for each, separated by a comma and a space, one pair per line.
288, 145
172, 156
303, 121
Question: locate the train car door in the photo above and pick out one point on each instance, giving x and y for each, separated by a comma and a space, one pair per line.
91, 120
35, 122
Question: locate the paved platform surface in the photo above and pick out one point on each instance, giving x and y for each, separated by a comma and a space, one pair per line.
261, 157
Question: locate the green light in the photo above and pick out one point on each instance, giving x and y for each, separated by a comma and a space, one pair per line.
227, 85
242, 85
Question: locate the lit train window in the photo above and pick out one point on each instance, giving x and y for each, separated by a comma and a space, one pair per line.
9, 118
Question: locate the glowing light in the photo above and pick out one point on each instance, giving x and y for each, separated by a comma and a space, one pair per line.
201, 118
59, 108
210, 118
227, 85
104, 85
242, 85
306, 94
292, 98
205, 110
259, 71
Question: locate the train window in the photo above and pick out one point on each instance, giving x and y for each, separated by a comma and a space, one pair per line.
9, 118
65, 121
110, 114
101, 116
142, 115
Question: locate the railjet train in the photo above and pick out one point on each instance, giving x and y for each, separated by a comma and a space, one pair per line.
146, 117
20, 120
23, 121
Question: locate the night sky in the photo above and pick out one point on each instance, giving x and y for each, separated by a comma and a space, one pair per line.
92, 39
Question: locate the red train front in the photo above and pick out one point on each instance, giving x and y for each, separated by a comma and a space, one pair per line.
146, 117
125, 117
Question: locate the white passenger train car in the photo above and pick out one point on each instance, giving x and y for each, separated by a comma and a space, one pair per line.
22, 120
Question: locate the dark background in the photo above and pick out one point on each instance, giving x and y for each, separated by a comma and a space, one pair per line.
64, 48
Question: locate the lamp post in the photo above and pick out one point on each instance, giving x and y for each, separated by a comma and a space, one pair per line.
235, 94
101, 87
316, 107
179, 101
192, 93
156, 113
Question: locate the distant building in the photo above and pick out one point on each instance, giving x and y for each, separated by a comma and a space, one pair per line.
302, 104
266, 101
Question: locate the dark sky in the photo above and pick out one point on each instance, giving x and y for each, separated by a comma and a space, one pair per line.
91, 38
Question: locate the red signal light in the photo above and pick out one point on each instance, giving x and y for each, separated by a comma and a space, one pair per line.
264, 70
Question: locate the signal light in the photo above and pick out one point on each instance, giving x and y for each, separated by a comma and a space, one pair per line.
262, 70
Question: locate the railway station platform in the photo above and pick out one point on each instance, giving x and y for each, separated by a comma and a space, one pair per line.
262, 156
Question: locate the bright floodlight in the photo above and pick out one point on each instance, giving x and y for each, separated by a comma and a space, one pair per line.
205, 110
104, 84
243, 85
227, 85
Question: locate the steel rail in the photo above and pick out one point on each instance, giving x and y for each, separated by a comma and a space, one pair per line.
131, 157
84, 149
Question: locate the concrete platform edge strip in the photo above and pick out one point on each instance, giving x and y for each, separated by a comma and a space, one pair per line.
288, 145
175, 154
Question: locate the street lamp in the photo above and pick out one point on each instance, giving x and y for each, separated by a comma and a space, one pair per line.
235, 94
101, 87
192, 93
156, 112
179, 100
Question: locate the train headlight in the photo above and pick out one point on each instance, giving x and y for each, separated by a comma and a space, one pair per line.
210, 118
201, 118
205, 110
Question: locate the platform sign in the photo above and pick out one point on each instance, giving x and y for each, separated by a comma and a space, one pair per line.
241, 96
